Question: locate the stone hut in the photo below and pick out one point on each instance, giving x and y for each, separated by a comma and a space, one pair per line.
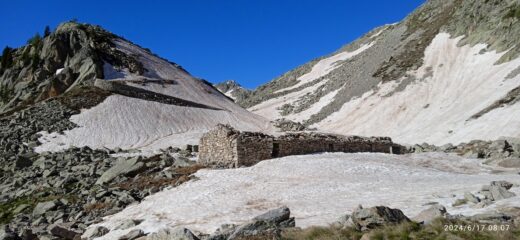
227, 147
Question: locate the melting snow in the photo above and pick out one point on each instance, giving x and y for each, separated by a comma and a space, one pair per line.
453, 84
131, 123
317, 188
325, 66
59, 71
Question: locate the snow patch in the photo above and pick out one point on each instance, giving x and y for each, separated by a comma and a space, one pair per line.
325, 66
318, 189
453, 84
131, 123
59, 71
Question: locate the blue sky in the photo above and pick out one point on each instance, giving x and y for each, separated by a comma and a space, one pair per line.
249, 41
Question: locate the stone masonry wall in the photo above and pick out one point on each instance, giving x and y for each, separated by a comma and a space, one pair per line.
218, 147
226, 147
253, 148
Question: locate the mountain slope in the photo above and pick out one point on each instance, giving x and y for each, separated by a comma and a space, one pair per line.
448, 73
152, 103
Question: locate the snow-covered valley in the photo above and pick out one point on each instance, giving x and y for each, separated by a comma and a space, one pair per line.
317, 188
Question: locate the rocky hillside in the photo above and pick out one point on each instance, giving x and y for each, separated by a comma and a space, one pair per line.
138, 100
233, 90
447, 73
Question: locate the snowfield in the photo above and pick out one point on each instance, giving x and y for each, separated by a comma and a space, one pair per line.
454, 83
132, 123
317, 188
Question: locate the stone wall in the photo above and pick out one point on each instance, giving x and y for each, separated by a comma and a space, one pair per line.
306, 143
253, 148
227, 147
218, 147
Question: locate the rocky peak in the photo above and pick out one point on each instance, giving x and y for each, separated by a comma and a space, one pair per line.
48, 66
233, 89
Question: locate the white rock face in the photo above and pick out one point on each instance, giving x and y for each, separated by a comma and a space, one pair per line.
131, 123
317, 188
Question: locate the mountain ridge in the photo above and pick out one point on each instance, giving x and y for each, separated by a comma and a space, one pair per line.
393, 54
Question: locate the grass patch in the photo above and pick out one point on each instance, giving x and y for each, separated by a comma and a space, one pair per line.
180, 175
439, 229
7, 208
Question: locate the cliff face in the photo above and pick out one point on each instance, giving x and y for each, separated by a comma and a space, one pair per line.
441, 75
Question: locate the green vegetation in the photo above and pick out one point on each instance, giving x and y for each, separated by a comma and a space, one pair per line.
513, 12
36, 45
5, 94
47, 31
8, 209
7, 59
438, 229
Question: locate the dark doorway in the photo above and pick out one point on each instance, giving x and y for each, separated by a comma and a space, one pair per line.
331, 147
276, 150
396, 150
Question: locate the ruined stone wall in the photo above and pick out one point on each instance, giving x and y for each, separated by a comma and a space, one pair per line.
306, 143
226, 147
218, 147
253, 148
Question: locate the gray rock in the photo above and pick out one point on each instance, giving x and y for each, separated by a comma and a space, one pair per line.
275, 216
269, 223
134, 234
178, 233
344, 221
94, 232
64, 231
505, 184
499, 193
123, 167
43, 207
430, 214
7, 234
471, 198
126, 224
369, 218
22, 162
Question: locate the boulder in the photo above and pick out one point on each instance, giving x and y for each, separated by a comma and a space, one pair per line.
499, 193
275, 216
178, 233
134, 234
94, 232
7, 234
265, 225
505, 184
471, 198
126, 224
344, 221
22, 162
64, 231
43, 207
123, 167
430, 214
369, 218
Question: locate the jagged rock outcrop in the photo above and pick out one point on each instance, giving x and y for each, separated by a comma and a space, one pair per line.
233, 90
47, 67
